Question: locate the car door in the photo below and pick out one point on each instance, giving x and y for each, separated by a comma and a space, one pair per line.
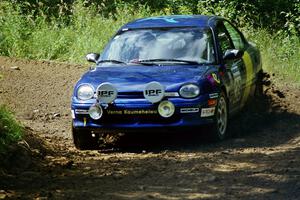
235, 69
249, 62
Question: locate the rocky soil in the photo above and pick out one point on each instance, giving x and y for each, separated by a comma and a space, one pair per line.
261, 161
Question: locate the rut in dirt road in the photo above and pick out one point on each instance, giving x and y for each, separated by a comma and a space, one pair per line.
260, 162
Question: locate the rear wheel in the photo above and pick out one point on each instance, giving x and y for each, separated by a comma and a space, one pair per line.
219, 128
84, 140
259, 84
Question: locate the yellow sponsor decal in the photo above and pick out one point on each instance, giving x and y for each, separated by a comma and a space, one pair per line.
249, 72
114, 112
132, 112
215, 77
84, 121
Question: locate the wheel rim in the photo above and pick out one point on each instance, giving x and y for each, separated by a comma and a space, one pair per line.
222, 116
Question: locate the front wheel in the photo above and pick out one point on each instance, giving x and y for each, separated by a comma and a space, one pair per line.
219, 128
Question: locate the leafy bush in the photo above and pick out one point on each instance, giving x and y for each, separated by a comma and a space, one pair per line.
10, 130
271, 14
268, 14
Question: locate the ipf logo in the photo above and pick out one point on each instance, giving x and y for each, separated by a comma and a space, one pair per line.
152, 93
105, 93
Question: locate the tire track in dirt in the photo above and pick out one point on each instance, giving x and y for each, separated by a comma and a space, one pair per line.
260, 162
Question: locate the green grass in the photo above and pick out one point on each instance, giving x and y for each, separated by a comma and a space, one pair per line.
41, 37
280, 54
70, 37
10, 130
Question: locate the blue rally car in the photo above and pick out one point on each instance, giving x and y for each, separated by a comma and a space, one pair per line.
165, 73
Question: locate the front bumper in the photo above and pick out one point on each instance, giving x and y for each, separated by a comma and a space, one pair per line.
186, 115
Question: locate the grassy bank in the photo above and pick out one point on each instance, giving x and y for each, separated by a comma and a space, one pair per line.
10, 129
280, 54
79, 29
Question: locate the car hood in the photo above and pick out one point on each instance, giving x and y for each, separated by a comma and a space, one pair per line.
134, 78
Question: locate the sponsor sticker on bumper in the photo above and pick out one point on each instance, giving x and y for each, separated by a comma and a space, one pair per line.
189, 110
132, 112
208, 112
213, 95
73, 114
81, 112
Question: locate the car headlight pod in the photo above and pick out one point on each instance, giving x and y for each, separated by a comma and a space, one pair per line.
166, 109
85, 92
189, 91
95, 112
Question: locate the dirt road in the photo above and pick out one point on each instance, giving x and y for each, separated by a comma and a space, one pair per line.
262, 160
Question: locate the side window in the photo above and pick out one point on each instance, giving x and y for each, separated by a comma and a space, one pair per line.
235, 36
223, 38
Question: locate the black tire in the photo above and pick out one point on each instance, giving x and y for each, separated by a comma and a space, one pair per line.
259, 84
83, 140
220, 125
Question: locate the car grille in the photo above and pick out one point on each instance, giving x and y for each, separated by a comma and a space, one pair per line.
132, 119
130, 95
145, 119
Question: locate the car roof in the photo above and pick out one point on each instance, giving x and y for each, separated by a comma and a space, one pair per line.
202, 21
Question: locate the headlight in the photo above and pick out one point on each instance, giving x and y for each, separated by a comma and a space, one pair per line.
166, 109
95, 112
85, 92
189, 91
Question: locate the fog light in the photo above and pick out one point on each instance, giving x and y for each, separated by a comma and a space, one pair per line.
95, 112
166, 109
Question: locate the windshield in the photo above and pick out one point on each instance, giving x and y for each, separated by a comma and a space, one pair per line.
158, 45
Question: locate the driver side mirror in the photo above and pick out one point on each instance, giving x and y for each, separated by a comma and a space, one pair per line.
232, 54
92, 57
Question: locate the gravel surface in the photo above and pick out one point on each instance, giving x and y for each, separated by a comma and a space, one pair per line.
260, 161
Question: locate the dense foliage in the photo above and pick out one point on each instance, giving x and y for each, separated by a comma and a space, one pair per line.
271, 14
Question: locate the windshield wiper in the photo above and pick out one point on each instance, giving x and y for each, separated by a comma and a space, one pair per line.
141, 62
169, 60
112, 61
